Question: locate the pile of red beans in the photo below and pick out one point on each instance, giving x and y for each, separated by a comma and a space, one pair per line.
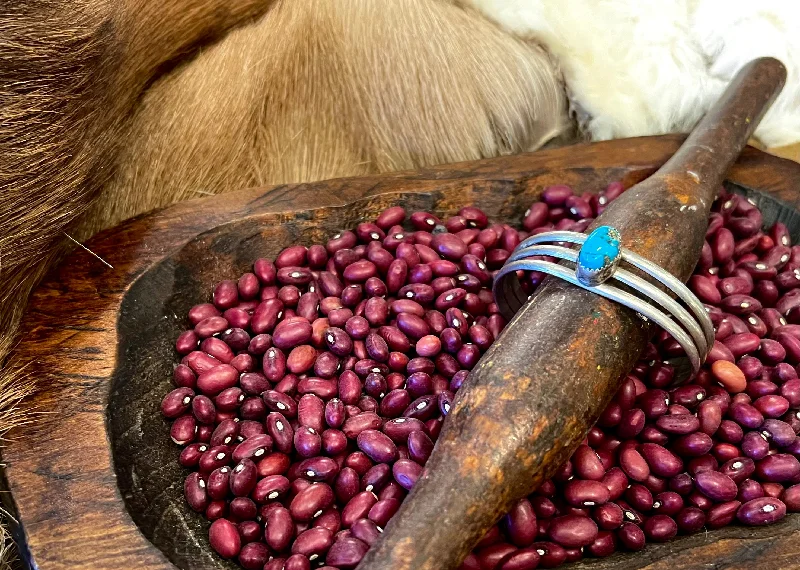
311, 392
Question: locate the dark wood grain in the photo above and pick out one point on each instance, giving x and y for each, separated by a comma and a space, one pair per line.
501, 440
84, 323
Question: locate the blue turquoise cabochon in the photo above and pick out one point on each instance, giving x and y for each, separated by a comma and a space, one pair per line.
600, 248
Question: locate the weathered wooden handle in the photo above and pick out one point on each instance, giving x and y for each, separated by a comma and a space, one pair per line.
538, 390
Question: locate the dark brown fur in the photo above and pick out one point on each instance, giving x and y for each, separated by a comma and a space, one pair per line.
70, 76
315, 89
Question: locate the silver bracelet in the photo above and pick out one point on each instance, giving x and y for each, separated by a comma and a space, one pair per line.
596, 262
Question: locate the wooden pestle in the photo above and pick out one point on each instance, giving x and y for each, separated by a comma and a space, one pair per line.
534, 395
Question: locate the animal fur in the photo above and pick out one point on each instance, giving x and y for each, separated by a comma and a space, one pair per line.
636, 68
108, 110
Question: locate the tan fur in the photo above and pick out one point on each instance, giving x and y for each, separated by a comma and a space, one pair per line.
319, 89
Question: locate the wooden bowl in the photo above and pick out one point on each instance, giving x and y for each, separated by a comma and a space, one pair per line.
95, 480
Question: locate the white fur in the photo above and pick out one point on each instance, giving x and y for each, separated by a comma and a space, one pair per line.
643, 67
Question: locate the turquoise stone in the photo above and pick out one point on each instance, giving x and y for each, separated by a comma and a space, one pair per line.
600, 249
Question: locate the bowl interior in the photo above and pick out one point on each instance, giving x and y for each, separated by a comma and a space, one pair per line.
153, 313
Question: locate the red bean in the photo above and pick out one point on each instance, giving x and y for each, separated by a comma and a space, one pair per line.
311, 502
243, 478
582, 493
358, 507
715, 485
353, 426
634, 465
422, 408
377, 446
224, 538
778, 432
375, 362
376, 478
253, 555
791, 498
778, 468
420, 446
278, 402
631, 536
693, 445
289, 334
678, 424
217, 379
177, 402
661, 461
746, 415
616, 482
270, 488
383, 510
660, 528
722, 514
346, 553
573, 531
195, 491
307, 442
406, 472
183, 430
254, 448
762, 511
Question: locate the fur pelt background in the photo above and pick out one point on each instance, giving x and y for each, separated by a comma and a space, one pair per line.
635, 67
110, 108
